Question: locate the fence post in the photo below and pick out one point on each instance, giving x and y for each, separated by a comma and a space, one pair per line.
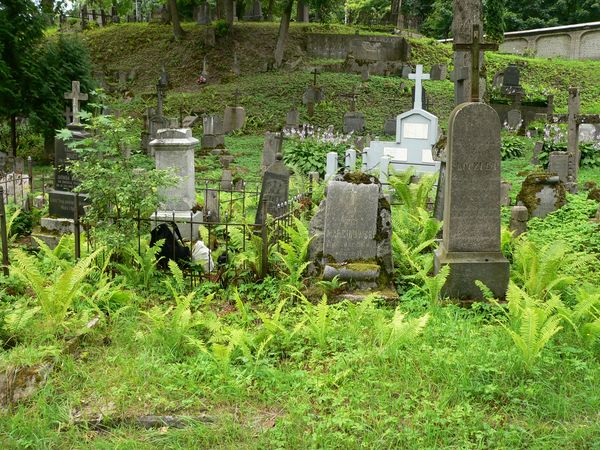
76, 226
4, 233
30, 175
264, 231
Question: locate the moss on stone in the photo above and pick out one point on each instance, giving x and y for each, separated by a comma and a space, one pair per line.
359, 178
357, 266
533, 184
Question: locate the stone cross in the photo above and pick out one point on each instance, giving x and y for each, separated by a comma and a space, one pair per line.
419, 76
68, 115
76, 96
476, 46
353, 96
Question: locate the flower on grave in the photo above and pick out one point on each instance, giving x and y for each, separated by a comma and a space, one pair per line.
201, 79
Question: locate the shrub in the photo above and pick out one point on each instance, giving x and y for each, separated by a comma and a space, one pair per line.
512, 147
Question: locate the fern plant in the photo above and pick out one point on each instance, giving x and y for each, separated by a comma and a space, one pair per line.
392, 336
295, 252
319, 321
413, 196
531, 322
55, 298
141, 268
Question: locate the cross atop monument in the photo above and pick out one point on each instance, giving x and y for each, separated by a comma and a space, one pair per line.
76, 96
418, 76
353, 96
315, 73
475, 47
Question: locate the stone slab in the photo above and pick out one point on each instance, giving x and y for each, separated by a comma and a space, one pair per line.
187, 222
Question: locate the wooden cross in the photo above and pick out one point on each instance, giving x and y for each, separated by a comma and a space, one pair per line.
475, 47
76, 96
315, 73
418, 76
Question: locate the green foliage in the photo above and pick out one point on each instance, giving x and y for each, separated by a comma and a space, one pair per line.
140, 267
399, 332
512, 147
295, 252
532, 323
494, 25
221, 28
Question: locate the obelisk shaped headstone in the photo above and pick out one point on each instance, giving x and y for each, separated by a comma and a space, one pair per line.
471, 234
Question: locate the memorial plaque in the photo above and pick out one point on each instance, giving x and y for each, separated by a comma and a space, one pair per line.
351, 221
416, 131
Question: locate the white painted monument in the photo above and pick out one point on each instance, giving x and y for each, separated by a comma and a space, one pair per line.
416, 134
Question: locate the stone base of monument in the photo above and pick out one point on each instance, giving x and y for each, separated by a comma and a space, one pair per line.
51, 230
364, 275
492, 269
187, 222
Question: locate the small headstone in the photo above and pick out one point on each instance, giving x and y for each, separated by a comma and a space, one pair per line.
213, 136
537, 149
354, 122
365, 74
234, 118
471, 233
558, 163
226, 161
313, 95
512, 76
255, 11
227, 180
406, 71
505, 189
271, 147
331, 167
514, 119
541, 194
189, 121
275, 189
439, 72
292, 120
589, 132
211, 206
518, 220
389, 127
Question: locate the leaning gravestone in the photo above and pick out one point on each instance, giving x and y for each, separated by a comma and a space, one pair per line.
275, 189
174, 150
351, 232
471, 233
542, 193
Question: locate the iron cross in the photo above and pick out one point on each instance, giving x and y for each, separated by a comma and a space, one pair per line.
76, 96
475, 47
315, 73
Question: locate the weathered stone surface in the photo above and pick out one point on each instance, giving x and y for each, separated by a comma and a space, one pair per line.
211, 205
271, 147
558, 163
351, 221
275, 189
505, 189
471, 234
439, 72
354, 122
537, 149
313, 94
542, 193
518, 219
514, 119
234, 118
389, 127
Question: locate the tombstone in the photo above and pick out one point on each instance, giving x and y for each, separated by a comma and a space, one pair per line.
541, 194
275, 189
235, 116
389, 127
202, 13
271, 148
471, 231
313, 95
439, 72
514, 119
254, 12
174, 150
227, 180
331, 167
213, 136
558, 163
292, 120
61, 200
406, 71
505, 189
518, 220
511, 81
589, 132
189, 121
354, 122
537, 149
365, 74
226, 161
211, 206
351, 233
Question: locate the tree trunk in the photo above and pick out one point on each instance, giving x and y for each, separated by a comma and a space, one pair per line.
270, 10
49, 142
13, 134
284, 27
177, 30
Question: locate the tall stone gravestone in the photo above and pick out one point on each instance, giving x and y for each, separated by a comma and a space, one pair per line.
235, 116
61, 200
275, 189
471, 233
352, 233
174, 149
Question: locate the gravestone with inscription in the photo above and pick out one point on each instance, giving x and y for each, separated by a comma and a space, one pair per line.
416, 134
275, 189
471, 232
213, 135
174, 149
558, 163
351, 232
514, 119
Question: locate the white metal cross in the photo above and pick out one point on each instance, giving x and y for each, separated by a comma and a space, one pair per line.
419, 76
76, 96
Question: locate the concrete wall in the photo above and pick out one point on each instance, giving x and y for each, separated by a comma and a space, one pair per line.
367, 48
580, 41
